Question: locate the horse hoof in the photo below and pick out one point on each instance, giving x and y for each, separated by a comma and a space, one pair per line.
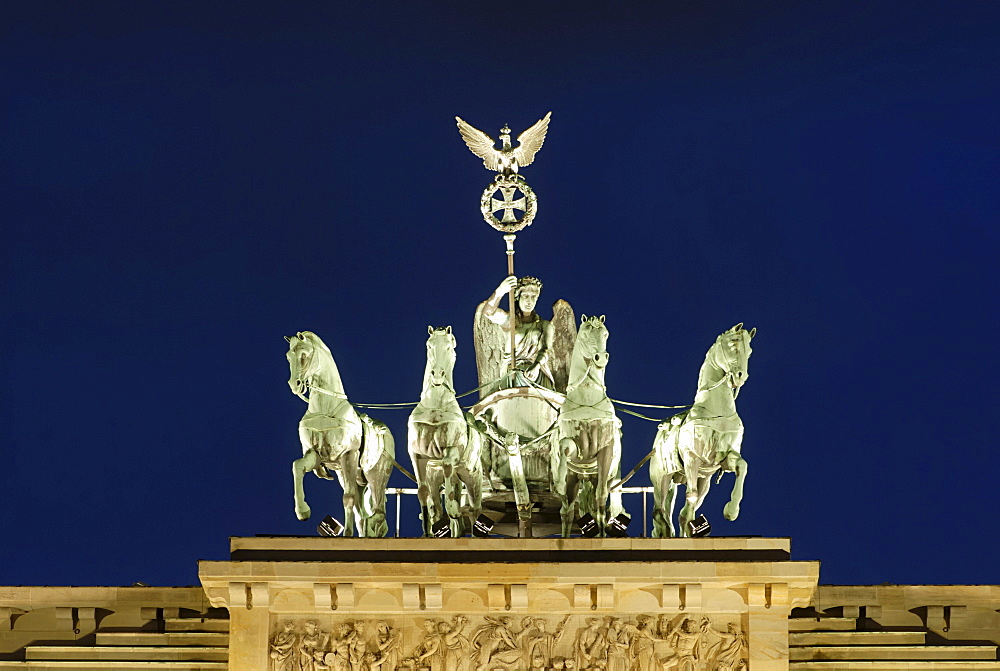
731, 511
303, 513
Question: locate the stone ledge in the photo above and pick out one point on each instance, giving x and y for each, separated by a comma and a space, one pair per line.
884, 665
506, 550
895, 652
127, 665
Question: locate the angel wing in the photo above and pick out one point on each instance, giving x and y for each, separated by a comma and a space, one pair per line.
564, 327
529, 142
491, 346
482, 145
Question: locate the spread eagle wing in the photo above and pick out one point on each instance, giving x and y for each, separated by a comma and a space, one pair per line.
490, 341
529, 142
564, 338
482, 145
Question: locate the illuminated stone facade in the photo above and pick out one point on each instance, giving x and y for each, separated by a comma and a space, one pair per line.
310, 604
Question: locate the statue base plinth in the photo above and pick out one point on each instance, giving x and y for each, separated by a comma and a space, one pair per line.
505, 603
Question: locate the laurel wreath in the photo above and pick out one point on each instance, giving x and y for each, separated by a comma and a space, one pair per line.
530, 204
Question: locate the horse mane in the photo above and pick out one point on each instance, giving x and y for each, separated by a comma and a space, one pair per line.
704, 373
577, 362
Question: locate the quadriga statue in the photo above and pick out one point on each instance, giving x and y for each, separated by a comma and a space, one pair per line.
359, 449
694, 445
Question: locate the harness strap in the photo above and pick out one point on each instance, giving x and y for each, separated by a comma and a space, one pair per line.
335, 394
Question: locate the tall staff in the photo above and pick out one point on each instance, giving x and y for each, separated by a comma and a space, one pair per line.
511, 298
516, 195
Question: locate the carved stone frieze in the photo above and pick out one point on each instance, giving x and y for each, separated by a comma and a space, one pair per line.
666, 642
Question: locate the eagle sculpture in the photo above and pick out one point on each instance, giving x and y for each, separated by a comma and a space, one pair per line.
507, 159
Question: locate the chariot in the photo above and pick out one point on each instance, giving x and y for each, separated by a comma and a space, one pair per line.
533, 469
519, 491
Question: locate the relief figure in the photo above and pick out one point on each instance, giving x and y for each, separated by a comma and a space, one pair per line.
727, 654
283, 648
455, 646
312, 640
643, 647
587, 644
495, 644
544, 643
386, 655
618, 646
685, 638
427, 654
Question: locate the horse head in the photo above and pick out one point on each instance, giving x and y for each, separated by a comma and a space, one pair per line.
440, 357
592, 341
310, 364
731, 353
300, 362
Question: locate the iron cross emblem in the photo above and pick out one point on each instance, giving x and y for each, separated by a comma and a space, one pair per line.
508, 204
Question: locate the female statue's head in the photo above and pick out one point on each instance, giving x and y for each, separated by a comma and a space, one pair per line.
527, 292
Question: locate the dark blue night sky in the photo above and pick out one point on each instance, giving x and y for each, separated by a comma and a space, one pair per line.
184, 183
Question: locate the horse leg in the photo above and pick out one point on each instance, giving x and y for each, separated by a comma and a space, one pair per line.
375, 497
569, 502
378, 482
349, 482
423, 491
695, 496
435, 484
687, 512
664, 496
602, 488
306, 462
732, 509
452, 498
692, 482
474, 487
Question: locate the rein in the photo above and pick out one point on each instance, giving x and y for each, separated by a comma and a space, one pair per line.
335, 394
397, 406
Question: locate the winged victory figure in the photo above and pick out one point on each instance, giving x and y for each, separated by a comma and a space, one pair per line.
507, 159
544, 347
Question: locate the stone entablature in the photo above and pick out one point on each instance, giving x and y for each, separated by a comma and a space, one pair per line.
954, 612
902, 626
345, 585
71, 613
